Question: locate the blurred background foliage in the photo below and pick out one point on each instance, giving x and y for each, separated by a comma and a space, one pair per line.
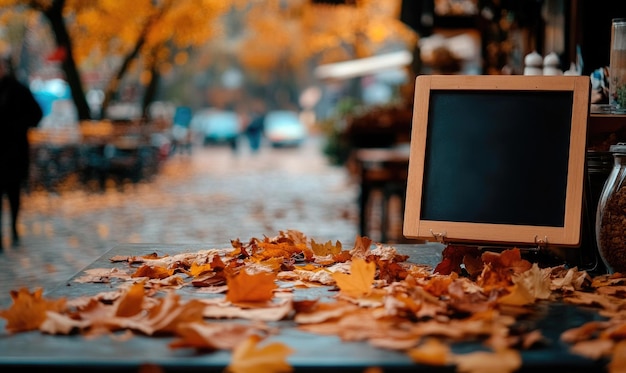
191, 52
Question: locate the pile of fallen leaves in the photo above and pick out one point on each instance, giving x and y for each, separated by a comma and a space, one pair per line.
471, 295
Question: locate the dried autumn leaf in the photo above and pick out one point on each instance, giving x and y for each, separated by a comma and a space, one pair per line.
569, 279
200, 269
325, 249
56, 323
452, 258
246, 288
214, 336
362, 247
510, 259
618, 362
169, 314
504, 361
248, 357
528, 287
359, 281
28, 310
431, 352
131, 302
593, 349
152, 272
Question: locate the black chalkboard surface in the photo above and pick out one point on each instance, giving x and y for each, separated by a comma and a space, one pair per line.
497, 159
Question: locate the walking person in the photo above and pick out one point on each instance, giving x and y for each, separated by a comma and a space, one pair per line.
254, 129
19, 111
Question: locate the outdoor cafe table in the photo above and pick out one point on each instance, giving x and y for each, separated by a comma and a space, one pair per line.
36, 351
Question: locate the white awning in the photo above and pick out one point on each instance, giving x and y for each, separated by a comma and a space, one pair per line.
363, 66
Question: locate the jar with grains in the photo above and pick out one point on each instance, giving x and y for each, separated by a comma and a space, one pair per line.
611, 214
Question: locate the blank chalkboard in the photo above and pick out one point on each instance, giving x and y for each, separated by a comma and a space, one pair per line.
497, 159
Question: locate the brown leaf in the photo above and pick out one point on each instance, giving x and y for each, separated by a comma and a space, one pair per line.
452, 258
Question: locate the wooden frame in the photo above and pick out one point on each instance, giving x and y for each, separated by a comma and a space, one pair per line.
574, 90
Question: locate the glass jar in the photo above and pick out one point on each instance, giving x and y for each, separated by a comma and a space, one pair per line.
611, 214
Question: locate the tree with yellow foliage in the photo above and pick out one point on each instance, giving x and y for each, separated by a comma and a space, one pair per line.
153, 33
152, 36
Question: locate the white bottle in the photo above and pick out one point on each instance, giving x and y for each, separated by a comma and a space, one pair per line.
533, 64
551, 65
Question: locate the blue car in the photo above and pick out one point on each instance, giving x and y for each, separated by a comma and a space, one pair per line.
283, 128
216, 126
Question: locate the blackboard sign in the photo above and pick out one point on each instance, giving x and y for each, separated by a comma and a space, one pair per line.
497, 159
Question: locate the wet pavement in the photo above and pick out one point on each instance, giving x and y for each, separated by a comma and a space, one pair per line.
208, 197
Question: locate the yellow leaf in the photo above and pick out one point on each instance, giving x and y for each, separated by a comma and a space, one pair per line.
199, 269
249, 358
359, 282
519, 296
325, 249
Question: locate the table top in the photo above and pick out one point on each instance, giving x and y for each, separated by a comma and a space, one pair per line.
38, 351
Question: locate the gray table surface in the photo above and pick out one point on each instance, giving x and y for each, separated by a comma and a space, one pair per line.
37, 351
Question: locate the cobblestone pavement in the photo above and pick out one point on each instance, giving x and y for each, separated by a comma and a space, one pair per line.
208, 197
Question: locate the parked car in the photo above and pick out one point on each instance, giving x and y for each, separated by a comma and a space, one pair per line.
284, 128
216, 126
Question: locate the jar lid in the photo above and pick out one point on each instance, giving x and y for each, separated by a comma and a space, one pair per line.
618, 148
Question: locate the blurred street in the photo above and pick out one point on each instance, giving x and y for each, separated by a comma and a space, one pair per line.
208, 197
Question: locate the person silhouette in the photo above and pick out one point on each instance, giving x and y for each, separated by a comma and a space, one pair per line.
19, 111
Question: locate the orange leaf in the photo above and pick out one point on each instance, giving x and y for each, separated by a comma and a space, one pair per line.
28, 311
199, 269
431, 352
488, 362
131, 302
249, 358
359, 282
244, 288
325, 249
152, 272
618, 360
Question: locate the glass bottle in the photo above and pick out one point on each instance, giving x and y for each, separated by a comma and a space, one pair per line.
611, 214
617, 66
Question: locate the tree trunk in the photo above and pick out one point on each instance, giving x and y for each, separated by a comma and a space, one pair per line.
150, 92
114, 83
54, 14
